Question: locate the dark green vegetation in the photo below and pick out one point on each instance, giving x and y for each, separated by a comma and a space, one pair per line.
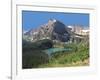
39, 45
33, 54
35, 57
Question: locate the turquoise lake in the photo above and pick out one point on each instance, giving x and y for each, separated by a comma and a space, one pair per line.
53, 50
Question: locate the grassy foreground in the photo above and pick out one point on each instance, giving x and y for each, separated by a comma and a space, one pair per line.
78, 57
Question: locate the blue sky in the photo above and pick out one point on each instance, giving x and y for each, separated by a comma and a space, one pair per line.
33, 19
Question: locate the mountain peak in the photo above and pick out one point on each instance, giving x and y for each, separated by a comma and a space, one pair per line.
52, 20
54, 30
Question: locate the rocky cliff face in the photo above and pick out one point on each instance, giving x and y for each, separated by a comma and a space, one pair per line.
54, 30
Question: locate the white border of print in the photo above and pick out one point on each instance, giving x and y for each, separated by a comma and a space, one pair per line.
42, 73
